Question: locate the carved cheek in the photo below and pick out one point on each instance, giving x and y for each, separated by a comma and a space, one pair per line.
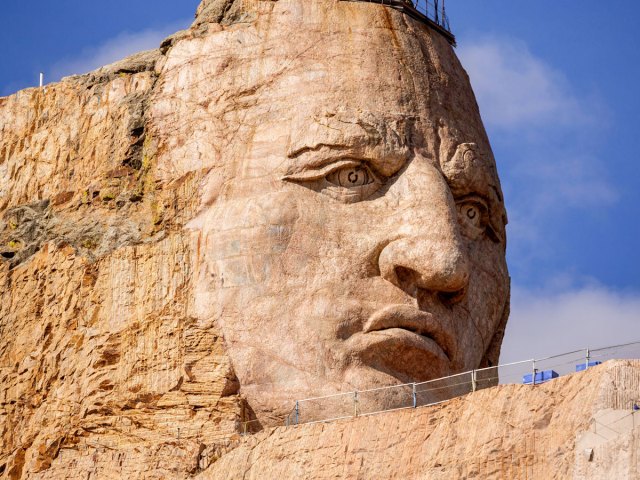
246, 237
488, 288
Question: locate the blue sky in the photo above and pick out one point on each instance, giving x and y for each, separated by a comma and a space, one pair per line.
557, 83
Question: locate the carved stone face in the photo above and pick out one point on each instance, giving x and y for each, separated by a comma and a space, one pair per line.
353, 233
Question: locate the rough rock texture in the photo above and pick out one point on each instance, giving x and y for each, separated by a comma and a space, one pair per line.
100, 358
225, 12
580, 426
287, 199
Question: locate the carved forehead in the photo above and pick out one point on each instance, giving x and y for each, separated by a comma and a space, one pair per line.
356, 134
341, 126
345, 79
368, 58
260, 92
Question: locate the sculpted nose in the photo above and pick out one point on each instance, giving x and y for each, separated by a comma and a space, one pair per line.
435, 263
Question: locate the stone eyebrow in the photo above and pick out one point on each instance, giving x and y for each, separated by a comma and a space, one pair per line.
342, 132
315, 148
321, 156
378, 138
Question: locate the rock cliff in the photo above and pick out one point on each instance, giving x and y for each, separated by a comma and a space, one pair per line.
100, 357
187, 246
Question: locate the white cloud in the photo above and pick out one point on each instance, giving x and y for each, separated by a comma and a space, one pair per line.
546, 135
557, 319
514, 88
114, 49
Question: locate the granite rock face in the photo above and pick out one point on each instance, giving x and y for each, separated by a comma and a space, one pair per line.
100, 357
290, 198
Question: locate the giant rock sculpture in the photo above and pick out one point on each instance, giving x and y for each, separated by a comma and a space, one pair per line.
289, 199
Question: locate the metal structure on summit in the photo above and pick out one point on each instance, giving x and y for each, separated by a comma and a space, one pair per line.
431, 12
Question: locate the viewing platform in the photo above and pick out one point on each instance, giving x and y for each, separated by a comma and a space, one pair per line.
431, 12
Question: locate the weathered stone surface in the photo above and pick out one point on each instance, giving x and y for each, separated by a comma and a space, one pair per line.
108, 361
290, 198
508, 432
320, 285
103, 367
221, 11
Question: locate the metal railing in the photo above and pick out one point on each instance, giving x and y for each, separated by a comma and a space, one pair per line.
434, 10
431, 12
413, 395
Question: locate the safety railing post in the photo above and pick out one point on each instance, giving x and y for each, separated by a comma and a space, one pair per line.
474, 383
586, 365
355, 404
535, 370
297, 412
414, 394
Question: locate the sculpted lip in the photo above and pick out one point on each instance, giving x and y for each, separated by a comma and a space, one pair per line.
416, 321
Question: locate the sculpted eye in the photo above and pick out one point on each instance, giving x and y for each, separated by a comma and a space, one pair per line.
347, 180
350, 177
473, 215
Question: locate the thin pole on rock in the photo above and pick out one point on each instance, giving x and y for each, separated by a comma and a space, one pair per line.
586, 366
533, 378
355, 404
415, 396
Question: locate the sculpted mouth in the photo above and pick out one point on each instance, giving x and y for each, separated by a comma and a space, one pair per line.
406, 317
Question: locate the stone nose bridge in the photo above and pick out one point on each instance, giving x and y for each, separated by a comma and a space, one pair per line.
431, 12
425, 251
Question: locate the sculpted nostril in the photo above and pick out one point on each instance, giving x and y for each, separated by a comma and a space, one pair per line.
417, 265
451, 298
412, 283
407, 279
405, 275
